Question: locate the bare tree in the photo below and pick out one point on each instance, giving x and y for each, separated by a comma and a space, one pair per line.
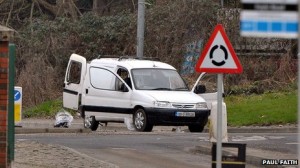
104, 6
61, 8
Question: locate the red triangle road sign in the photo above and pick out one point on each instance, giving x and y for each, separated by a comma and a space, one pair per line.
218, 55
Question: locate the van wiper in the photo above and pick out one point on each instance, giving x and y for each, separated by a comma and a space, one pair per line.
181, 88
161, 89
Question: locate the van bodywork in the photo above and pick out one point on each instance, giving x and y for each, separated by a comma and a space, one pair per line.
146, 91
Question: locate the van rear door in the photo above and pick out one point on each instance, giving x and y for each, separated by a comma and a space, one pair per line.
74, 80
210, 83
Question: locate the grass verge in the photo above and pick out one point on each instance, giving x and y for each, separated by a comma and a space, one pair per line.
46, 109
265, 109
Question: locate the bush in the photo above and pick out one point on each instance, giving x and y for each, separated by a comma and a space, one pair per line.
44, 45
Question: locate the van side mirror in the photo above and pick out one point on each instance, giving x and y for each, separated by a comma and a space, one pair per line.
200, 89
124, 88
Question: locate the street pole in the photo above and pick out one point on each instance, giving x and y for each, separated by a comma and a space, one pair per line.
140, 28
11, 103
219, 119
298, 79
222, 3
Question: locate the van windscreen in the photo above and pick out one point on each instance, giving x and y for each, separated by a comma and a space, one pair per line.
158, 79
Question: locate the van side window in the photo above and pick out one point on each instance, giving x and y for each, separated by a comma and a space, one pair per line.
74, 72
124, 74
102, 79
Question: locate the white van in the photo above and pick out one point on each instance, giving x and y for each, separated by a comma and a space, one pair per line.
146, 91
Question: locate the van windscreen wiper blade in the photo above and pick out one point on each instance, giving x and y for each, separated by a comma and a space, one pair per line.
181, 88
161, 89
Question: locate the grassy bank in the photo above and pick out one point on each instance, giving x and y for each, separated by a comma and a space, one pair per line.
264, 109
46, 109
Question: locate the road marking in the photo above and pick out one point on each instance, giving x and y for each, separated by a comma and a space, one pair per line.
276, 137
252, 138
293, 143
22, 140
203, 138
123, 149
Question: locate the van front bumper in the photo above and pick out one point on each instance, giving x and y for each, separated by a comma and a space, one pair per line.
167, 117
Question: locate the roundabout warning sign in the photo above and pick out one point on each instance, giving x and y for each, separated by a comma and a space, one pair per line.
218, 55
211, 55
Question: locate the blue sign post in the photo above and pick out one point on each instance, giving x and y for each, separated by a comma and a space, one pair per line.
17, 105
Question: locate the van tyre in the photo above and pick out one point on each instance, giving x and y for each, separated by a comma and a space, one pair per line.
196, 128
94, 124
141, 122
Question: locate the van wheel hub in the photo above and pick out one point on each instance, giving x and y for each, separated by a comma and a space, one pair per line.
139, 120
87, 122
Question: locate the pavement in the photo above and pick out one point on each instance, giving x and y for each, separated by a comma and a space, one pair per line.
37, 159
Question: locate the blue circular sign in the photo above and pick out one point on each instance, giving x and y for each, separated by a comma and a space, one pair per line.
17, 95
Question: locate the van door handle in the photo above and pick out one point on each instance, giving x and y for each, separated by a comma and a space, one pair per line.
86, 91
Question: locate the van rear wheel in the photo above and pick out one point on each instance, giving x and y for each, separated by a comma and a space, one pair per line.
141, 122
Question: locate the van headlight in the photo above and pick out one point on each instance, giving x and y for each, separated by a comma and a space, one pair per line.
162, 104
201, 105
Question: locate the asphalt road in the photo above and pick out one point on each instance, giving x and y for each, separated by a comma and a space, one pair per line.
132, 149
277, 142
162, 149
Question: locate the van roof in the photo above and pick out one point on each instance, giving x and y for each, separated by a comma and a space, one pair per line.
131, 63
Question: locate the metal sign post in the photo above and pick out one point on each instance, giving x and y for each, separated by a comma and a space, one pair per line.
140, 28
219, 120
11, 103
218, 56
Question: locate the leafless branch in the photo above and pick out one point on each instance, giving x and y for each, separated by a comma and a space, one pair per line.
9, 15
31, 14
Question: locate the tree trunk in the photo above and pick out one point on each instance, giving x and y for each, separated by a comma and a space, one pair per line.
62, 8
102, 6
47, 6
95, 6
67, 8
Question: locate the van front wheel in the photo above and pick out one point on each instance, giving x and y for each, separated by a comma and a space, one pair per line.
87, 122
141, 122
94, 124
